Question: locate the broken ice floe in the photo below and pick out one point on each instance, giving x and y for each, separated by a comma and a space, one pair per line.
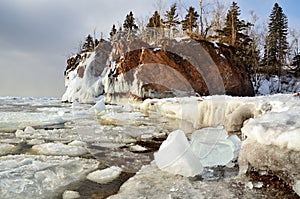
209, 147
6, 148
105, 176
59, 149
175, 156
68, 194
38, 176
213, 147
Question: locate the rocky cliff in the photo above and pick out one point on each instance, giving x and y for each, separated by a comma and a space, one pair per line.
164, 68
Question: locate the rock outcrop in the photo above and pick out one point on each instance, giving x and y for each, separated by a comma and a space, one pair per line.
164, 68
84, 72
177, 68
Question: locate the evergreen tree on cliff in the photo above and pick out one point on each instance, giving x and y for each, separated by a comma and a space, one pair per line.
235, 33
88, 45
190, 20
171, 18
129, 23
155, 21
113, 32
276, 47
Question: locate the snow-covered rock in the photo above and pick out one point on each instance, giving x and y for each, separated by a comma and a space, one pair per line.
272, 140
83, 78
271, 85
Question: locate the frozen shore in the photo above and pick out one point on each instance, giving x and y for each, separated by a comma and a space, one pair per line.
49, 148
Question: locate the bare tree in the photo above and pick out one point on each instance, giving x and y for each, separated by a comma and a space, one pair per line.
212, 17
160, 6
294, 45
201, 25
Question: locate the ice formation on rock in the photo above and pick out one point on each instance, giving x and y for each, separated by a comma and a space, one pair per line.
272, 140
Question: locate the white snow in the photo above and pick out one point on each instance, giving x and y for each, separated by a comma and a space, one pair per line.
273, 84
105, 176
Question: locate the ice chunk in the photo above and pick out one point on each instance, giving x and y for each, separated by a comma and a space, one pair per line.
105, 176
70, 195
175, 156
279, 129
137, 148
249, 185
6, 148
296, 187
212, 146
99, 107
59, 149
237, 145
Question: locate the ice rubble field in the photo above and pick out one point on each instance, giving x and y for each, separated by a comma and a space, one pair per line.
61, 137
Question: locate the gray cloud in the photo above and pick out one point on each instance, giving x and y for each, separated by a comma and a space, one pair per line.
37, 35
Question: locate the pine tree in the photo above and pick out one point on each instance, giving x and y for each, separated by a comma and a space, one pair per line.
129, 23
190, 20
171, 18
234, 31
113, 32
155, 21
88, 45
276, 47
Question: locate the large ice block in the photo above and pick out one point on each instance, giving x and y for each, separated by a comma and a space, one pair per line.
212, 146
175, 156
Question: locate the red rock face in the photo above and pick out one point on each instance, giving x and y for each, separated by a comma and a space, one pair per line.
188, 65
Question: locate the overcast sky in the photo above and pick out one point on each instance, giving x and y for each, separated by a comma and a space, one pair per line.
36, 36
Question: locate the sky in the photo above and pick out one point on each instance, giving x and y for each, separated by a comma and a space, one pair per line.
37, 36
